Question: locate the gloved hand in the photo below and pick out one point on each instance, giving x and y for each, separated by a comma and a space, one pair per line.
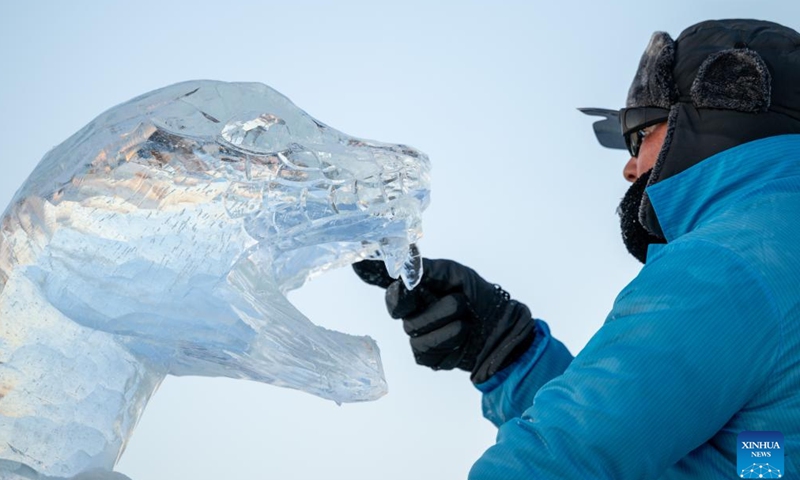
455, 318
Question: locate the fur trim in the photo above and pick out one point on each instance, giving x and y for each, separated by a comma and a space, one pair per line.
734, 79
671, 121
653, 85
646, 208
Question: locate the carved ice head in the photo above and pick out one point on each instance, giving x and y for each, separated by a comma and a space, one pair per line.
178, 221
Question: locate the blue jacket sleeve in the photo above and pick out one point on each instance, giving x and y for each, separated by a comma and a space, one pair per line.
510, 391
671, 365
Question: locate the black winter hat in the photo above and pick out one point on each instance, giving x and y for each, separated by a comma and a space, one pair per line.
725, 83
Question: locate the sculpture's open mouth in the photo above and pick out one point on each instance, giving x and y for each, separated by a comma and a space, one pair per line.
388, 233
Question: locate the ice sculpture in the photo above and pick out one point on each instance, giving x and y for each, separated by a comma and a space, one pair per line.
162, 239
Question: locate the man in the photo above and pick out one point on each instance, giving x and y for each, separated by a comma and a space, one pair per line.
705, 342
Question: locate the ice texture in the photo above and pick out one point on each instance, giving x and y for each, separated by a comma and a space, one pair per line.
162, 239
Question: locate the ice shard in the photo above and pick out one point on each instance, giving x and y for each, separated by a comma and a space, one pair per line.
161, 239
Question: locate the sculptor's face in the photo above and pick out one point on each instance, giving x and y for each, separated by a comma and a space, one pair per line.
648, 152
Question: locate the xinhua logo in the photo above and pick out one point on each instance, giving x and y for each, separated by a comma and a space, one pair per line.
760, 455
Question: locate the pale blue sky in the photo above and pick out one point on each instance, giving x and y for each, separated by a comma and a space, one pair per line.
521, 191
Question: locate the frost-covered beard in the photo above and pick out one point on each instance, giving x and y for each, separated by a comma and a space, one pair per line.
634, 235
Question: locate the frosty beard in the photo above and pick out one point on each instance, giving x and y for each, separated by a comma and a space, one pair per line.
634, 235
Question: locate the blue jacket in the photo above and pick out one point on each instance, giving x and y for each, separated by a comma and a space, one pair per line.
703, 344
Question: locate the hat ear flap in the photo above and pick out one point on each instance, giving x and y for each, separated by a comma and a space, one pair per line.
734, 79
654, 85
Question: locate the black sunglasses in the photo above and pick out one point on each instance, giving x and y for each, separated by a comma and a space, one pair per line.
629, 122
633, 121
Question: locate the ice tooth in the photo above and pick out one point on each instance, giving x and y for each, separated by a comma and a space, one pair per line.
412, 267
402, 259
393, 255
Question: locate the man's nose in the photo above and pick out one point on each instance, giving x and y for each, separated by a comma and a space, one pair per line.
630, 170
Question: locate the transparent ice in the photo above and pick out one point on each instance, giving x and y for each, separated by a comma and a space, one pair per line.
162, 239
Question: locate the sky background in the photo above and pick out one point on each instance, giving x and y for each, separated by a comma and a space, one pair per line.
521, 191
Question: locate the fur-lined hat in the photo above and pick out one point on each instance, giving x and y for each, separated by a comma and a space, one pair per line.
725, 83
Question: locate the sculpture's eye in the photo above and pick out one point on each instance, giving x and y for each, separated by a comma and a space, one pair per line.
258, 133
300, 159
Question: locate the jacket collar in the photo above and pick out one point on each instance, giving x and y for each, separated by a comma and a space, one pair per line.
686, 200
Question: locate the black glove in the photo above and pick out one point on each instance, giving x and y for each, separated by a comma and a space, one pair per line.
455, 318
